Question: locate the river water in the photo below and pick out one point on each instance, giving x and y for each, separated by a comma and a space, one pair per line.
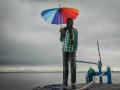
28, 81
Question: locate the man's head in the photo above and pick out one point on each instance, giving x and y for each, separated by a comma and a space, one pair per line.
69, 22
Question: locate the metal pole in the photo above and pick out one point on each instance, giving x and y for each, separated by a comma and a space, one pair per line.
60, 17
100, 63
86, 62
98, 50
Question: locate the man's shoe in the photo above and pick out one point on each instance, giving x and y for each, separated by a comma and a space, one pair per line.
65, 84
73, 85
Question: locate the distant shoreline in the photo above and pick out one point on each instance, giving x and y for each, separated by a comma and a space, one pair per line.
54, 72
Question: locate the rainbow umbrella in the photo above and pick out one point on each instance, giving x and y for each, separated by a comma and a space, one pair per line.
59, 15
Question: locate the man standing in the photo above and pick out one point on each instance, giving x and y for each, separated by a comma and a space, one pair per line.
69, 38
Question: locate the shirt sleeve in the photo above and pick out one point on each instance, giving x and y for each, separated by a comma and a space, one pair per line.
61, 38
76, 41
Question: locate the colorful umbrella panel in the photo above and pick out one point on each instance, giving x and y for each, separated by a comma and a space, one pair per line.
59, 15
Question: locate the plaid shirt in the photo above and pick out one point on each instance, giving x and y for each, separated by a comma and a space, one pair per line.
66, 41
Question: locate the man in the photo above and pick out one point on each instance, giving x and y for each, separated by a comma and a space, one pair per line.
69, 38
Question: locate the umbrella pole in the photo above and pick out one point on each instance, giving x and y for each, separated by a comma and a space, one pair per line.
62, 46
60, 17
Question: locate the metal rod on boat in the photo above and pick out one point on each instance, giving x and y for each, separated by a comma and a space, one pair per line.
100, 63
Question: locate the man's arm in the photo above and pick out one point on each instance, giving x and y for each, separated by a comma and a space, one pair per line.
62, 34
76, 41
75, 44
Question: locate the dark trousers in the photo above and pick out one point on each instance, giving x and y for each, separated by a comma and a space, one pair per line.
69, 57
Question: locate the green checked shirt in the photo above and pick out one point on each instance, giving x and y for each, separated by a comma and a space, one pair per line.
66, 41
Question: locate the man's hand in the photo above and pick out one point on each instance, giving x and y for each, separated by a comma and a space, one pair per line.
61, 30
74, 55
62, 36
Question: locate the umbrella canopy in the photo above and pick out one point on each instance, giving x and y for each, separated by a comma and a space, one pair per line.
59, 15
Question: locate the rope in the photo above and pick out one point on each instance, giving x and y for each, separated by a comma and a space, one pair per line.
89, 84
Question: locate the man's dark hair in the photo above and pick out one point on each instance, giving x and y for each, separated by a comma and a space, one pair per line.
68, 19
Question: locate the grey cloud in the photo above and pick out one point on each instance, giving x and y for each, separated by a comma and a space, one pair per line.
25, 38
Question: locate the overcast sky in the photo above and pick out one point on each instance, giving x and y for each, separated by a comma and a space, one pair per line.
26, 39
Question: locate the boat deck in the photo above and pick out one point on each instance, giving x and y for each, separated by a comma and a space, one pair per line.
94, 86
